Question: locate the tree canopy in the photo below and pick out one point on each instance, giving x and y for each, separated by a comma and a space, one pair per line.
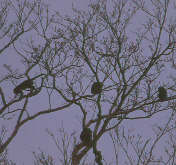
126, 48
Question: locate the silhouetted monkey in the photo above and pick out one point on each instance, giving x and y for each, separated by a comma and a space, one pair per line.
96, 88
86, 136
162, 93
27, 84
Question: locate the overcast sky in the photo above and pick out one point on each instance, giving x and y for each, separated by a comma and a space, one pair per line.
33, 134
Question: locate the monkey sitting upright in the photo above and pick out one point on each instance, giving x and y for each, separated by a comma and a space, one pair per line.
162, 93
86, 136
96, 88
27, 84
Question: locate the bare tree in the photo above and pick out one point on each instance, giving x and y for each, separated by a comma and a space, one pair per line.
102, 46
137, 150
44, 60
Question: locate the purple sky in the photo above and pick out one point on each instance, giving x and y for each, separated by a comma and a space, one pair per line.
33, 136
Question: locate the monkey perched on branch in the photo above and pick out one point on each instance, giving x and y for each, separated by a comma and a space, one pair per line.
86, 136
96, 88
25, 85
162, 93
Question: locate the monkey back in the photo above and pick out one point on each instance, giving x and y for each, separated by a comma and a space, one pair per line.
86, 136
96, 87
162, 93
27, 84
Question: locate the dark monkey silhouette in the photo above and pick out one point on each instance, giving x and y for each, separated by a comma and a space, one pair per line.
25, 85
96, 88
86, 136
162, 93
